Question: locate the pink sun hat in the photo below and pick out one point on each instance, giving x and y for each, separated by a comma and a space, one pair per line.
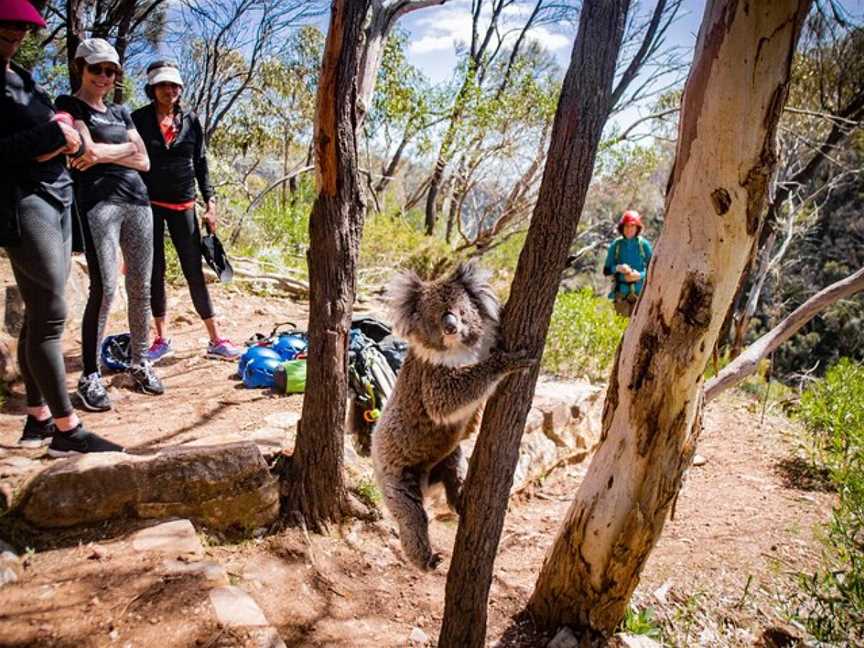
20, 11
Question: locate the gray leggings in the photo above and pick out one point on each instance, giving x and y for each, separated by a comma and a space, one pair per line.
106, 226
41, 266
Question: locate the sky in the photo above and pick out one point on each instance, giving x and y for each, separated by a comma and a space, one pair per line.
435, 31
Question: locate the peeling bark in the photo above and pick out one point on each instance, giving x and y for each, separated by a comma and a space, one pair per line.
652, 418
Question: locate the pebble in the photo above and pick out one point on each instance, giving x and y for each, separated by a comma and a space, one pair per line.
417, 636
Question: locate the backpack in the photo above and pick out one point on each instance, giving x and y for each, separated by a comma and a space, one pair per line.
371, 376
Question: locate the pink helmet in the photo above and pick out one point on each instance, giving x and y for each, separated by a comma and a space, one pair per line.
20, 11
630, 217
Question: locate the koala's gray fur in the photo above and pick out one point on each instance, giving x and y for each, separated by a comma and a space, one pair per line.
451, 326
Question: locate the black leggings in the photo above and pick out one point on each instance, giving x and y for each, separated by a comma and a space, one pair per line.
41, 266
186, 237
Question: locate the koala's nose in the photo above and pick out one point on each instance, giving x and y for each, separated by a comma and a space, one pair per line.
449, 323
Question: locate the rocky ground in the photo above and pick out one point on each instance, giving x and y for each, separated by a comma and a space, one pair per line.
716, 578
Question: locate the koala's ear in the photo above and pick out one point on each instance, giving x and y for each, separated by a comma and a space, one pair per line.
405, 291
475, 280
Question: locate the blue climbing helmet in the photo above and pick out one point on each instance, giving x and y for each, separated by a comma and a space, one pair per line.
261, 372
116, 352
263, 352
290, 345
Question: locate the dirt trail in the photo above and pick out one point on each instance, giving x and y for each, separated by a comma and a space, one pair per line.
718, 569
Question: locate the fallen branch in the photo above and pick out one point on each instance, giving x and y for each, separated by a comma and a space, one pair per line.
746, 363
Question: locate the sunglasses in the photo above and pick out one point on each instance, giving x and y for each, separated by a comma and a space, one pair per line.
107, 70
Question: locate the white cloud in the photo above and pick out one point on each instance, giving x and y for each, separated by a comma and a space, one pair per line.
439, 29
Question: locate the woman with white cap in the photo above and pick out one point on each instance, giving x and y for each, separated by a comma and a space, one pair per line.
35, 202
175, 143
115, 212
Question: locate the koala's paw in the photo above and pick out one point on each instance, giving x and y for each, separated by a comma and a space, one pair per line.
433, 562
517, 361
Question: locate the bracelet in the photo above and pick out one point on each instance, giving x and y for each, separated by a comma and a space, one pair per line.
81, 151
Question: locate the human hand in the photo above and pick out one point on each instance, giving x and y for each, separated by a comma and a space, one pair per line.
86, 160
209, 216
623, 268
72, 136
632, 276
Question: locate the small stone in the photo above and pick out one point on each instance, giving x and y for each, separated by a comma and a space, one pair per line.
175, 538
564, 639
418, 637
97, 552
234, 607
635, 641
113, 635
699, 460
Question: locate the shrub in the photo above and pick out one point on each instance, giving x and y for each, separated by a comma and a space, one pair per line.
583, 335
831, 605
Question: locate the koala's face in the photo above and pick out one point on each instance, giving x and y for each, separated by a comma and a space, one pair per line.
452, 315
448, 318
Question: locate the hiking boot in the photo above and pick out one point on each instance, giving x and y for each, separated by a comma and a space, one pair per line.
37, 433
161, 348
146, 379
79, 441
92, 393
223, 349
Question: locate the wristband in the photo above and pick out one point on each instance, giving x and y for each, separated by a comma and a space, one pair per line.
81, 151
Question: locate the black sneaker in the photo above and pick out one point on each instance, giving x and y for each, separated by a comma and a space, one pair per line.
37, 433
92, 393
146, 379
79, 441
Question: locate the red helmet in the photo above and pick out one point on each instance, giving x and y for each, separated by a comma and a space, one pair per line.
630, 217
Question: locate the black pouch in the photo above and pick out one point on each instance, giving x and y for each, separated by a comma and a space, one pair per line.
214, 255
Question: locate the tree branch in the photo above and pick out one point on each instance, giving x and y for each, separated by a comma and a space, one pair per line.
746, 363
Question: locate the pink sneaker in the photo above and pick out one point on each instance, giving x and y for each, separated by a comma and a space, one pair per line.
223, 349
161, 348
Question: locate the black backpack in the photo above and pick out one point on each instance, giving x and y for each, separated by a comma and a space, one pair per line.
372, 372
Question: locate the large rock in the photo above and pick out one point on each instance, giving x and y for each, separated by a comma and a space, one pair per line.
224, 487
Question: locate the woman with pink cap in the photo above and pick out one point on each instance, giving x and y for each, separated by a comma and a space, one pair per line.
35, 228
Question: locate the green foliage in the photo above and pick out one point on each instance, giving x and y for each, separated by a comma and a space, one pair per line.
641, 621
583, 335
368, 492
393, 242
832, 600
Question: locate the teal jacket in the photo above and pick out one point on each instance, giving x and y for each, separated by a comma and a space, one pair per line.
636, 253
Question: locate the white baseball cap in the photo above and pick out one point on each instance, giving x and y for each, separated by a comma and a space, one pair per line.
97, 50
164, 74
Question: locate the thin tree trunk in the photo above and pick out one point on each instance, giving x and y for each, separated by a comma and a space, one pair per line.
651, 419
746, 363
74, 31
314, 485
582, 112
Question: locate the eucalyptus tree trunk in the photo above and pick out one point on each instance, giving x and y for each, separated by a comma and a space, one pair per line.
582, 112
651, 419
313, 487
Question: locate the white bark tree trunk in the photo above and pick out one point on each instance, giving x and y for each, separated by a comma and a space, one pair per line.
717, 191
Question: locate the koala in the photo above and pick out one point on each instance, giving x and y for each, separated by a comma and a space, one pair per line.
452, 366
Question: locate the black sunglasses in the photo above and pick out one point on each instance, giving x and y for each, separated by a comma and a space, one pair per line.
107, 70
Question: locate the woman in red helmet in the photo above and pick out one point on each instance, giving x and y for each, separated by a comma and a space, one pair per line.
627, 261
